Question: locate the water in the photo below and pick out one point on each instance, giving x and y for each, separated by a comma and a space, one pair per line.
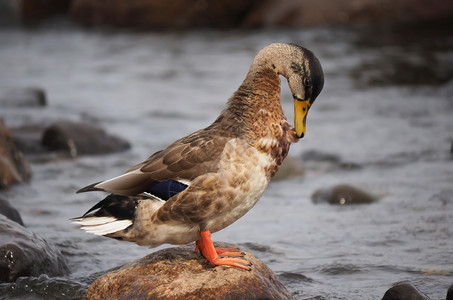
385, 112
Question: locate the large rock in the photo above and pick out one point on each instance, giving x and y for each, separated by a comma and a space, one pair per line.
180, 273
343, 194
404, 291
10, 212
14, 168
24, 253
80, 138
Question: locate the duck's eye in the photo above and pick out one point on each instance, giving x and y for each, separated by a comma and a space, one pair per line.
307, 81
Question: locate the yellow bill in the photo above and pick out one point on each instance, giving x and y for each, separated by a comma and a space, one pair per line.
300, 116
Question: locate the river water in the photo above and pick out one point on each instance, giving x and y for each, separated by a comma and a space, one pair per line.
385, 115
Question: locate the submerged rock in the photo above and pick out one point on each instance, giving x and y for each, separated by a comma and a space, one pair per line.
180, 273
80, 138
27, 97
14, 168
343, 194
24, 253
10, 212
404, 291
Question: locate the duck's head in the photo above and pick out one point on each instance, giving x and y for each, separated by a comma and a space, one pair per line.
303, 72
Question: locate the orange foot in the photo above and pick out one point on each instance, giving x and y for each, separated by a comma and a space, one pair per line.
205, 245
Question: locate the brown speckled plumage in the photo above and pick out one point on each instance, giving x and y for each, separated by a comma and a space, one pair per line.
225, 166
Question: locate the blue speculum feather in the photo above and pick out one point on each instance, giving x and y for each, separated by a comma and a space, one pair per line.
167, 189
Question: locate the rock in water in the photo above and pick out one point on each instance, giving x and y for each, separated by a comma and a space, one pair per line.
404, 291
23, 253
343, 194
180, 273
27, 97
81, 138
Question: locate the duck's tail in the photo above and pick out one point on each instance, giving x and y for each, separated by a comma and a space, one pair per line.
113, 214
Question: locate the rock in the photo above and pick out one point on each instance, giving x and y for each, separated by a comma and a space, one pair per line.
10, 212
291, 167
28, 97
404, 291
343, 194
24, 253
14, 168
80, 138
180, 273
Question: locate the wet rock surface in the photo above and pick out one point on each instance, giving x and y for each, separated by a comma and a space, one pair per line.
343, 194
180, 273
24, 253
404, 291
10, 212
14, 168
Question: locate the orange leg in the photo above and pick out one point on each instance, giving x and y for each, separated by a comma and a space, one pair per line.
205, 245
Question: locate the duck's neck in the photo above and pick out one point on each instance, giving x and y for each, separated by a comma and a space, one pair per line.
257, 99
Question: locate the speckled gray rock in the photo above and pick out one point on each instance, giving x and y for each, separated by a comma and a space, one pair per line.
180, 273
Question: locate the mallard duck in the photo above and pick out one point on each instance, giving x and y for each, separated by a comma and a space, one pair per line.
207, 180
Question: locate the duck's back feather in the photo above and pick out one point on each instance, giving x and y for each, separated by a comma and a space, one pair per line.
183, 161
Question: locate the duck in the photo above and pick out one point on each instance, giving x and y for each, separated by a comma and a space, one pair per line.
205, 181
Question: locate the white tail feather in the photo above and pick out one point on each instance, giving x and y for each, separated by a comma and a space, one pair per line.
102, 225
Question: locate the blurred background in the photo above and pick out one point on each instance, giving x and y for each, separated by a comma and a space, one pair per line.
89, 88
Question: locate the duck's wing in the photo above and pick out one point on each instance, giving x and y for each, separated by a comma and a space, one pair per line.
181, 162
